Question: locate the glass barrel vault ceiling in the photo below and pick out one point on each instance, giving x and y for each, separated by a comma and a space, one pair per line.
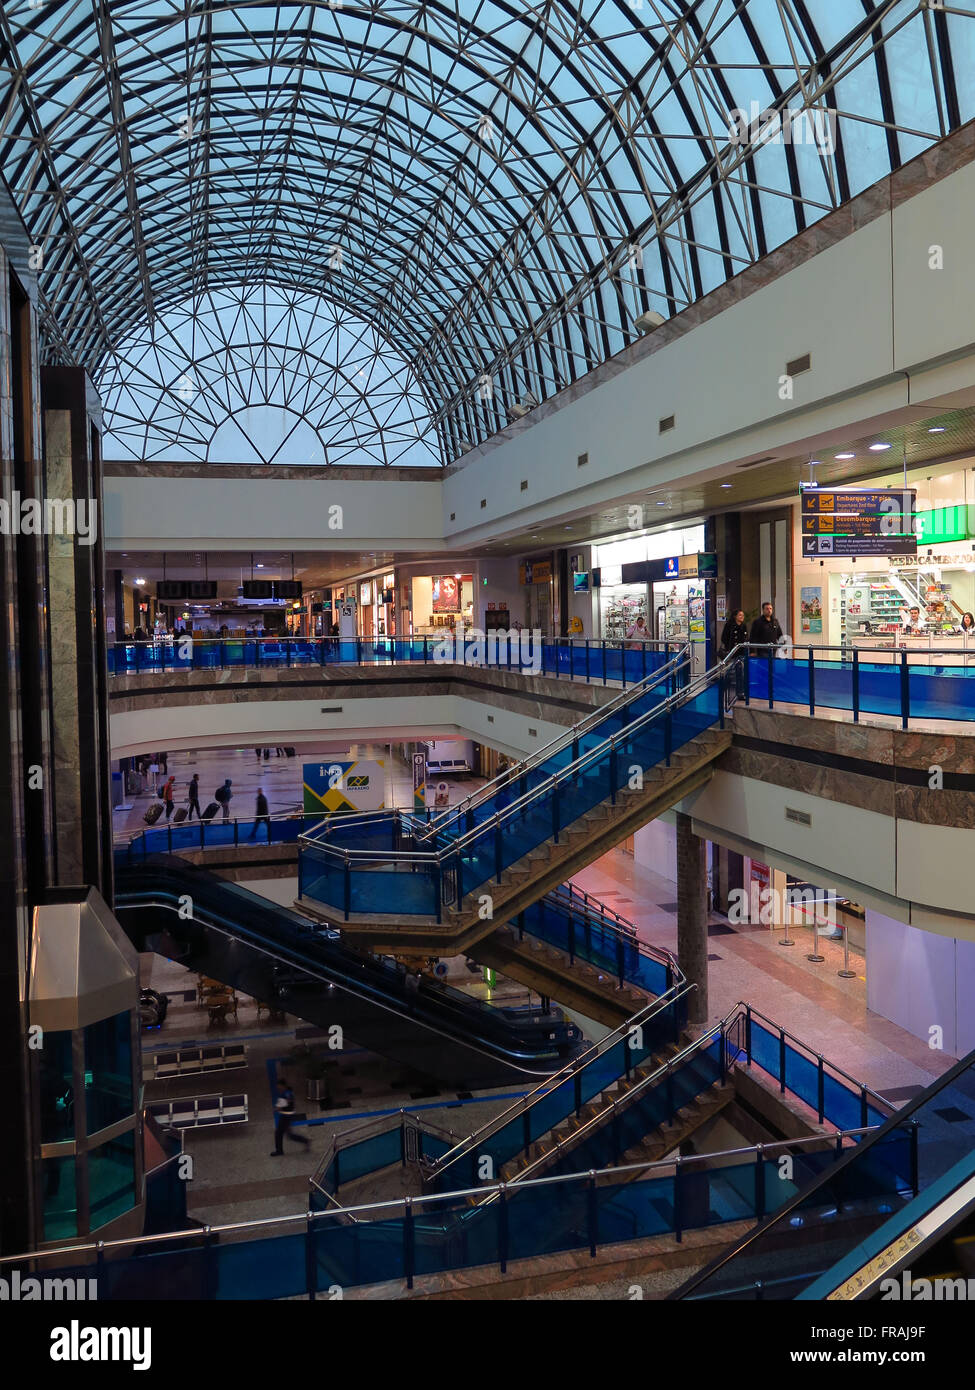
478, 197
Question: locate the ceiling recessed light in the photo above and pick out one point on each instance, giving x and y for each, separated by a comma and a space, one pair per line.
845, 456
727, 484
936, 429
879, 448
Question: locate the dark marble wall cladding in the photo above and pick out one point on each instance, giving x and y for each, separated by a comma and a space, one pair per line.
16, 1190
559, 702
76, 635
886, 770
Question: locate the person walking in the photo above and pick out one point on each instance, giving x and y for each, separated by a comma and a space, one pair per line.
169, 796
194, 794
223, 795
766, 631
734, 633
263, 814
284, 1113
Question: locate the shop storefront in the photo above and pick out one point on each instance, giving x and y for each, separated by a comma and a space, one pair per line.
628, 604
915, 600
440, 601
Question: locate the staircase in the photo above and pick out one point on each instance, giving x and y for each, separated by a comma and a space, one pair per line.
549, 971
543, 868
582, 1139
559, 1142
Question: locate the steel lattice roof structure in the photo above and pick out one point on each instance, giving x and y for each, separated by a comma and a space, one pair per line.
484, 196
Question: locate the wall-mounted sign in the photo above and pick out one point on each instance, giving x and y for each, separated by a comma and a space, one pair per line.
703, 565
333, 785
944, 524
535, 572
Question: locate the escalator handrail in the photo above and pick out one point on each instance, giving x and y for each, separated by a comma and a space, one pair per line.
487, 1047
578, 1064
493, 1047
570, 772
906, 1114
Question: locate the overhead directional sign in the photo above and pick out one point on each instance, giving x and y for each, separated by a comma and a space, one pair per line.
870, 521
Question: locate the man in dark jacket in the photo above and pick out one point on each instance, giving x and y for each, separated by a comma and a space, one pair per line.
223, 795
284, 1113
263, 813
765, 629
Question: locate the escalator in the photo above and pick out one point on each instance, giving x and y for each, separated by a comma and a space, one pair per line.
275, 955
872, 1205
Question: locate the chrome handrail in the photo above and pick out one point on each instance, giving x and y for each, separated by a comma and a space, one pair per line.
571, 771
860, 1085
563, 740
531, 1098
399, 1204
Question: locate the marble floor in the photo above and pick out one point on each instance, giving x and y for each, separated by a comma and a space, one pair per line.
235, 1178
747, 962
280, 778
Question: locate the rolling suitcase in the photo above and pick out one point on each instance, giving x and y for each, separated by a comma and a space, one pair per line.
153, 813
180, 814
211, 810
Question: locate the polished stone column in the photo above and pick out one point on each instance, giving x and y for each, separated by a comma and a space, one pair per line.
692, 917
16, 1125
81, 792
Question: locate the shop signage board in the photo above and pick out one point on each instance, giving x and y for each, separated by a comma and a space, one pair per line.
944, 524
419, 782
535, 572
703, 565
868, 521
336, 785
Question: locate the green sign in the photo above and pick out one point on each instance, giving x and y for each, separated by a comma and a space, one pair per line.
945, 524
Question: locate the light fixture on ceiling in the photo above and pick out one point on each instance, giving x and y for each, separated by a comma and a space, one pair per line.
880, 448
936, 429
647, 322
522, 407
844, 456
727, 484
139, 582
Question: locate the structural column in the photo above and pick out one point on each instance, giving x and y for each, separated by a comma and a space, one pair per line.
76, 615
692, 916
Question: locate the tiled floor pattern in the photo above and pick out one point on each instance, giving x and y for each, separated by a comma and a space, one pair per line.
235, 1177
810, 1000
280, 778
